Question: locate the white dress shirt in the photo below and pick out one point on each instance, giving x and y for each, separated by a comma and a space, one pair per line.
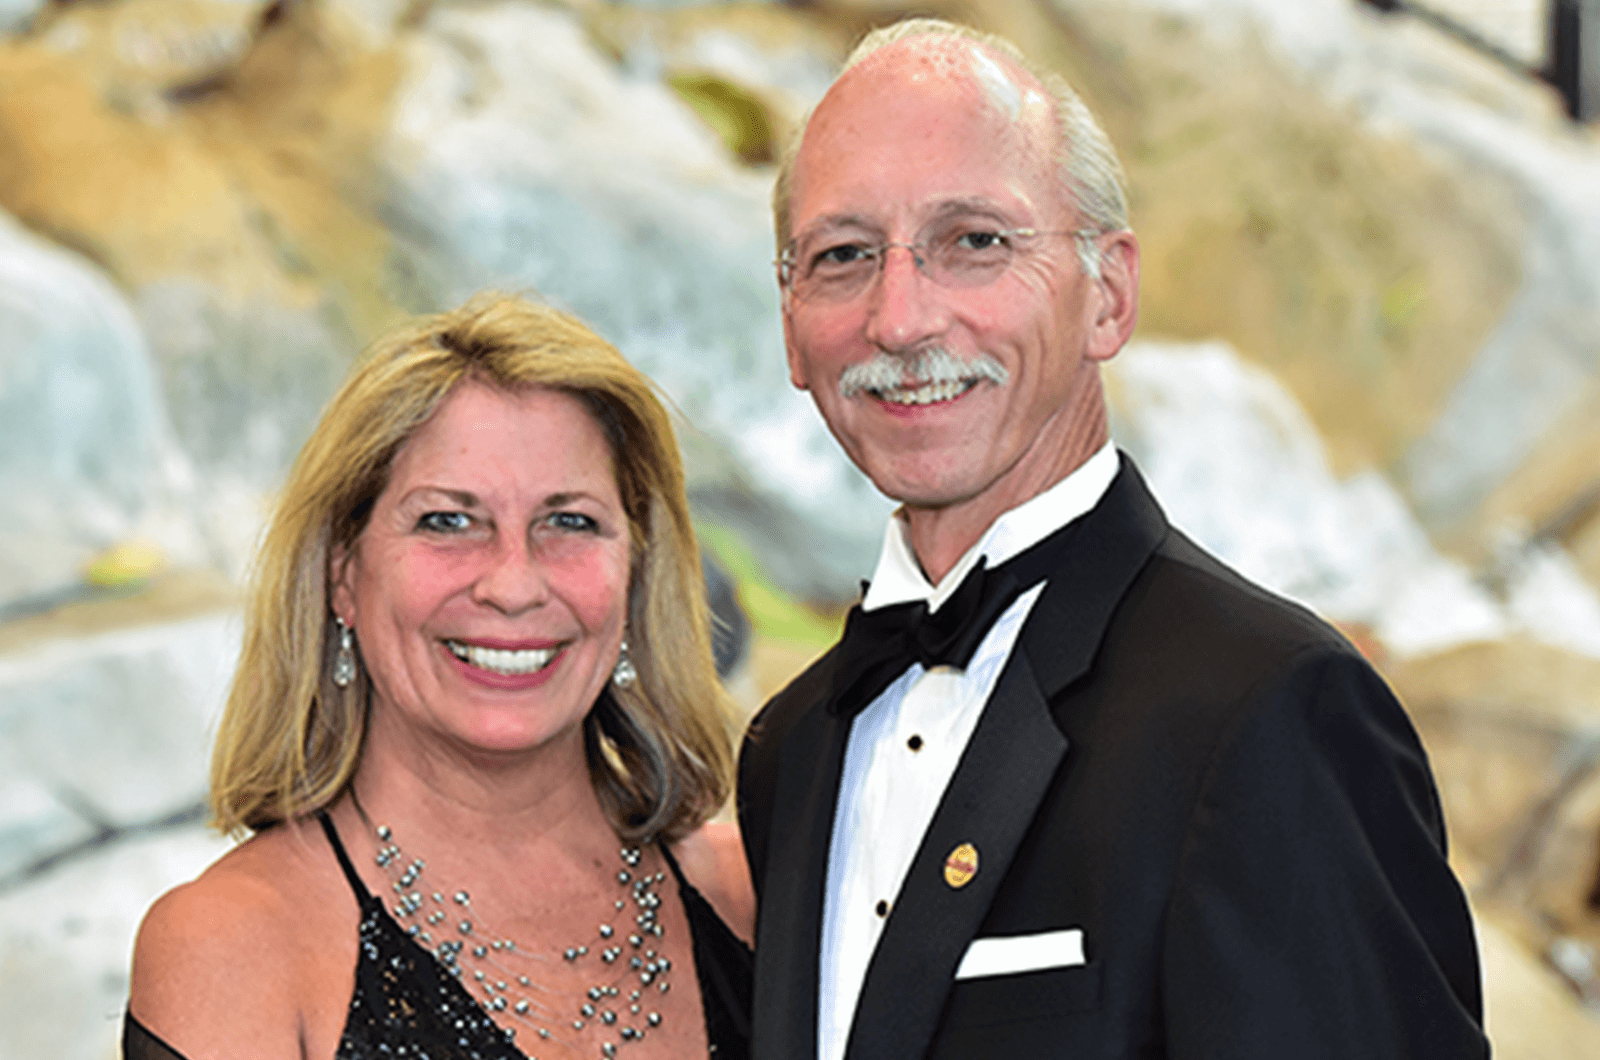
903, 748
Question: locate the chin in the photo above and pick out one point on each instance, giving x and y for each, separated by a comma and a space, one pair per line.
513, 735
920, 489
910, 476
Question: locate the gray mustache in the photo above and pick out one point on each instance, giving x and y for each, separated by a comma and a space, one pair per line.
888, 371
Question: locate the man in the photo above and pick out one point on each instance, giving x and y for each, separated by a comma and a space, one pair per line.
1068, 786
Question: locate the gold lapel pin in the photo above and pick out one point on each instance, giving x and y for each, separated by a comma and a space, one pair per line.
961, 865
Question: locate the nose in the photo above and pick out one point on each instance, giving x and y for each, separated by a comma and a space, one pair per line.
904, 307
513, 578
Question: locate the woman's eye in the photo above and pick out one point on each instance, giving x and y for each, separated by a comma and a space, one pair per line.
445, 522
573, 521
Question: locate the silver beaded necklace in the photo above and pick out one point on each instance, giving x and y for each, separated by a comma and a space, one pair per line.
630, 968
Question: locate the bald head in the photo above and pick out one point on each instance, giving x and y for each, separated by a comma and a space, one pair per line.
931, 56
977, 102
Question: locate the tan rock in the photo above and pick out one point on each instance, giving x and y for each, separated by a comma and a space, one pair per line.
145, 47
1513, 732
1530, 1013
296, 128
140, 200
173, 595
1364, 274
236, 162
1554, 496
1540, 685
1585, 548
778, 59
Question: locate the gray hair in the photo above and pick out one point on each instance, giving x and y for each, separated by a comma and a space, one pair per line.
1088, 163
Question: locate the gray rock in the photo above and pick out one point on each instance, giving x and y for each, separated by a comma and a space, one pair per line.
1542, 360
17, 15
245, 381
1541, 363
66, 940
521, 158
35, 823
115, 728
86, 456
1238, 465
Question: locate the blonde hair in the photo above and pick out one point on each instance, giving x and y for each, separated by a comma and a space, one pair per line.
659, 751
1088, 162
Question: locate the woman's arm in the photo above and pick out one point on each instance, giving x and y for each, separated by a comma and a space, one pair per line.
214, 970
712, 857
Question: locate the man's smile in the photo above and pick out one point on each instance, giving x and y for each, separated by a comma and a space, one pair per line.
932, 376
925, 393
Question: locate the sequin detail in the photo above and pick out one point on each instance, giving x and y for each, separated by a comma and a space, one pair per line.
407, 1005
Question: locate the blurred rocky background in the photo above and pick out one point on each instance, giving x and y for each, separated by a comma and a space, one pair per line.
1368, 373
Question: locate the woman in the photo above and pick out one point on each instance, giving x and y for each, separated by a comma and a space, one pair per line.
476, 729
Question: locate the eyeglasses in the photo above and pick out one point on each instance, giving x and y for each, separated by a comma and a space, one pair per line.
829, 269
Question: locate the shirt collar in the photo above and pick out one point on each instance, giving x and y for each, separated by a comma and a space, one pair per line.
899, 578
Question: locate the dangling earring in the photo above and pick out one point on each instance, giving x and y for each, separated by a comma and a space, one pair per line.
344, 664
623, 674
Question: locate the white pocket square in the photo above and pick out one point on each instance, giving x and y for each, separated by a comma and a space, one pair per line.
1015, 954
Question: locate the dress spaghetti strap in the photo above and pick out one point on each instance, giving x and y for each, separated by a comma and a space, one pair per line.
363, 896
725, 967
672, 863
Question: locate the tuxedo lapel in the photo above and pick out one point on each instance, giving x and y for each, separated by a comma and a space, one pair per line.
1012, 760
1114, 542
790, 927
1007, 766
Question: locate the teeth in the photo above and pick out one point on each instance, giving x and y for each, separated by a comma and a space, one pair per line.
927, 395
500, 661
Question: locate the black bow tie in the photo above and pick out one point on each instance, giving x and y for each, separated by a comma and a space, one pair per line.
879, 645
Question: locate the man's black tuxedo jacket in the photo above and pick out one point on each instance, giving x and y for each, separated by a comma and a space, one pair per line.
1206, 780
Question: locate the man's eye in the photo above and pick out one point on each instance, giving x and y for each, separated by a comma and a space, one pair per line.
980, 241
575, 522
840, 255
445, 522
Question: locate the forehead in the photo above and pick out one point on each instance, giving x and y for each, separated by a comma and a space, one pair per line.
920, 124
504, 431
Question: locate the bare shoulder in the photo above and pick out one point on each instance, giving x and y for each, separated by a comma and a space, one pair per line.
712, 857
221, 965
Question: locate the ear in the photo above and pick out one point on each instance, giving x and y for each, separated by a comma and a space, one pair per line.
1116, 306
341, 582
797, 374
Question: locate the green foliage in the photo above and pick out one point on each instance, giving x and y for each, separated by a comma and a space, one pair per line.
773, 615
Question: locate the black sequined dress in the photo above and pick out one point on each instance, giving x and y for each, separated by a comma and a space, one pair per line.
407, 1005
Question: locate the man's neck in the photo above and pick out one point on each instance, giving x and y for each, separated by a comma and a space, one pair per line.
941, 536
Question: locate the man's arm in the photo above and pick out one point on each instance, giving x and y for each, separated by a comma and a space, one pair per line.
759, 760
1314, 913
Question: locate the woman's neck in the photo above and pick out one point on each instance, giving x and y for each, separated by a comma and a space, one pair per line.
536, 803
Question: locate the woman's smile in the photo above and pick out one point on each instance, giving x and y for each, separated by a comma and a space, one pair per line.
502, 660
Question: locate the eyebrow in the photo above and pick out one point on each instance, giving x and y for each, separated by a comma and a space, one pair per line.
956, 207
461, 497
968, 205
471, 500
836, 220
559, 500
